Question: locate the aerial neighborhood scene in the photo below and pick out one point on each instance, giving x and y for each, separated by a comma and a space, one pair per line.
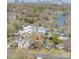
39, 29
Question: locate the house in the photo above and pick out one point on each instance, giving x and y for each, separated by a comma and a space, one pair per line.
30, 29
22, 42
26, 28
41, 30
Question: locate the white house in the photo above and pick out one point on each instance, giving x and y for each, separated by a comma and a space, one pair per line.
41, 30
22, 43
30, 29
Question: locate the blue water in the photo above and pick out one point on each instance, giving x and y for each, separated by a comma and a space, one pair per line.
61, 20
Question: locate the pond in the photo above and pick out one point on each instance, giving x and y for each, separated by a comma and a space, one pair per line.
61, 20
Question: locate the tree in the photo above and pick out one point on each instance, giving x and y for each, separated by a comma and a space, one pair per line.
56, 39
13, 27
30, 20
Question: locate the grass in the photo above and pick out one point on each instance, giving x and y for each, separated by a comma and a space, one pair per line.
57, 52
20, 53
